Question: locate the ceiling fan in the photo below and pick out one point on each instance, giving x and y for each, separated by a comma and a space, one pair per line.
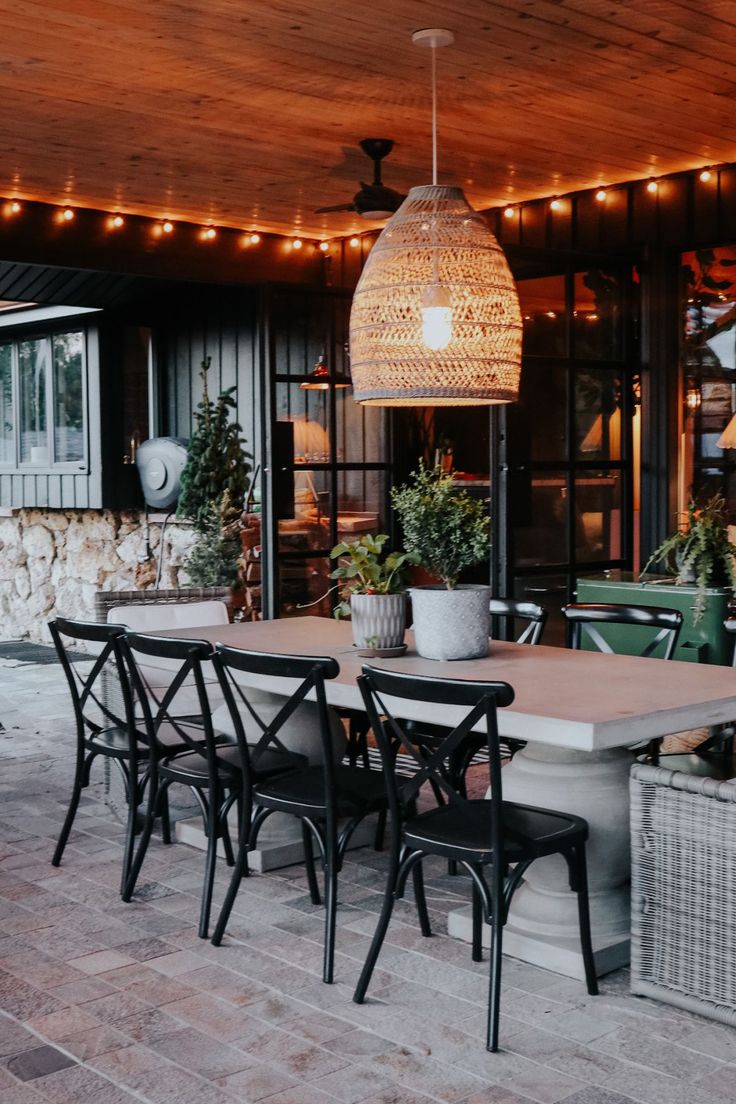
373, 201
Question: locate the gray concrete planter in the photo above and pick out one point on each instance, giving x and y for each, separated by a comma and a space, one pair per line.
378, 620
451, 624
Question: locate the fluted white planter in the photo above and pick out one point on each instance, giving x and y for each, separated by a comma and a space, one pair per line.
378, 620
451, 624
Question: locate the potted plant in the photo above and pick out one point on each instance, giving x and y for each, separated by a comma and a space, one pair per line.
447, 531
373, 590
214, 484
700, 551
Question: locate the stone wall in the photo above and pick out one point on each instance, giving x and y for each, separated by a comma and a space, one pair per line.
53, 561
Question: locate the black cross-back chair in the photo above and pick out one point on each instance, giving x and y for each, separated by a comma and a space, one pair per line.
206, 763
495, 840
532, 616
583, 617
318, 795
103, 717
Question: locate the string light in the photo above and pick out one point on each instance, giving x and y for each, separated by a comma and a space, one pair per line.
254, 239
67, 214
167, 227
12, 207
324, 246
296, 243
601, 195
208, 233
555, 204
509, 212
652, 186
354, 243
115, 222
705, 175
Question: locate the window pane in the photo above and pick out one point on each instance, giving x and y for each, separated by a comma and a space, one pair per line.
544, 314
598, 415
304, 584
597, 316
307, 411
536, 423
304, 512
538, 507
33, 364
360, 503
7, 450
598, 516
68, 398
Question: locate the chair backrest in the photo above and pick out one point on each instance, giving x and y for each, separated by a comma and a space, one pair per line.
100, 693
257, 739
169, 710
584, 616
510, 610
382, 690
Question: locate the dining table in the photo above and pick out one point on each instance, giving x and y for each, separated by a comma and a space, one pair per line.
580, 713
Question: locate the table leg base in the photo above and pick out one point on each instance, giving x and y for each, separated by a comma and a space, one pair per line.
562, 956
279, 841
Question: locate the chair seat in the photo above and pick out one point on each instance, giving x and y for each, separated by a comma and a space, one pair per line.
358, 791
192, 767
114, 742
463, 832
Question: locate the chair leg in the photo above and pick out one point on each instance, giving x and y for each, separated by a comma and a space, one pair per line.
130, 831
227, 844
417, 876
154, 796
165, 816
71, 812
477, 925
331, 865
380, 932
213, 836
379, 837
581, 888
240, 871
309, 863
494, 987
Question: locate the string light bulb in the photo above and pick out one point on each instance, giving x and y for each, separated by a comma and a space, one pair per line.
555, 204
67, 214
652, 186
509, 212
324, 246
601, 195
208, 233
167, 227
14, 207
296, 243
354, 243
705, 175
254, 239
116, 222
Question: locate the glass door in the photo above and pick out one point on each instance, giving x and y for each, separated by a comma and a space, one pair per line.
565, 452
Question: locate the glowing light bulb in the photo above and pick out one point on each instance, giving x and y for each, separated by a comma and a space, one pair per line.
209, 233
254, 238
297, 243
601, 195
508, 212
436, 318
116, 221
14, 207
355, 242
652, 186
324, 246
67, 214
555, 205
705, 175
167, 227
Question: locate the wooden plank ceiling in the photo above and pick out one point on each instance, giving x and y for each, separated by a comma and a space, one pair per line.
247, 112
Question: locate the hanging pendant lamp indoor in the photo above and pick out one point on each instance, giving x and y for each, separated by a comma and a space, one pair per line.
435, 319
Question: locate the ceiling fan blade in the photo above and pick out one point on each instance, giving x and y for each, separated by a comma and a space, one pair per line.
338, 207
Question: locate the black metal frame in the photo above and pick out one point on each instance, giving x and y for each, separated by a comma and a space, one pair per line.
583, 616
504, 852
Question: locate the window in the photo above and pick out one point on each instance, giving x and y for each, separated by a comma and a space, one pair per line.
42, 402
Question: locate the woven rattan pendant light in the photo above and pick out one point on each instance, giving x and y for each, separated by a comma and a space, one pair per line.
435, 318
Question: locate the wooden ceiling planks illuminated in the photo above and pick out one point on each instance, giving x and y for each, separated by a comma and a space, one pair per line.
249, 112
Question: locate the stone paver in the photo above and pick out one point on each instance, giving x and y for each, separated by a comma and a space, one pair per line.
107, 1003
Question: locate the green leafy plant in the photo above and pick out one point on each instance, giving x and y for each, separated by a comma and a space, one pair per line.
213, 559
700, 550
363, 569
217, 460
444, 527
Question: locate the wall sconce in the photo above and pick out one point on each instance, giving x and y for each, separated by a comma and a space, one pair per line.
693, 398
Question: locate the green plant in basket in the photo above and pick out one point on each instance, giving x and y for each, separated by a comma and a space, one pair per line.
364, 569
700, 552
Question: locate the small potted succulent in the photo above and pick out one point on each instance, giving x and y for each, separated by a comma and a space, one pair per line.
373, 590
700, 551
447, 531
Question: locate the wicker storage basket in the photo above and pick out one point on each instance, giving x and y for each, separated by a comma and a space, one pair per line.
683, 901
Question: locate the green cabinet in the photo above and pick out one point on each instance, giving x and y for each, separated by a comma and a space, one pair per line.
706, 642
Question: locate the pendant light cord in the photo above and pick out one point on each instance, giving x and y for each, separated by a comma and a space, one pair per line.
434, 114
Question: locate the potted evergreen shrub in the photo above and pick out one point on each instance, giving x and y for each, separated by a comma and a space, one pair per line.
373, 590
700, 551
447, 531
214, 484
